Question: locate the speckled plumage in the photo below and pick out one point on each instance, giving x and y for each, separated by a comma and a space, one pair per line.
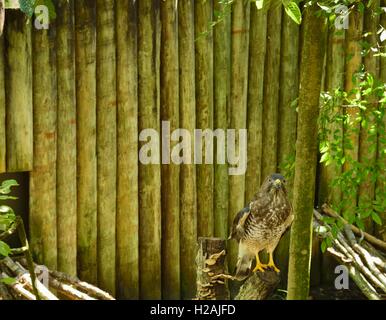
261, 224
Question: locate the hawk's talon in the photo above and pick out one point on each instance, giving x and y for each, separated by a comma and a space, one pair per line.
259, 266
271, 263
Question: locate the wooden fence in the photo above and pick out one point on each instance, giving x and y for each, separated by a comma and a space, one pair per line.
74, 98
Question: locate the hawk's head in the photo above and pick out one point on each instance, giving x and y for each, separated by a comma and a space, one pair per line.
274, 184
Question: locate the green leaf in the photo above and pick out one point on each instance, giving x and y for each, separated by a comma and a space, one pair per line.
8, 280
324, 157
293, 11
27, 6
323, 246
5, 187
50, 6
5, 250
259, 4
377, 219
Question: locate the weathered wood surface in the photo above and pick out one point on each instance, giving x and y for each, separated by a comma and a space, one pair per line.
149, 175
188, 192
66, 203
259, 286
203, 13
85, 66
211, 266
19, 75
170, 172
106, 143
127, 151
43, 218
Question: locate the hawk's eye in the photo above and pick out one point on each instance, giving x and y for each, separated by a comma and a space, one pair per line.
284, 180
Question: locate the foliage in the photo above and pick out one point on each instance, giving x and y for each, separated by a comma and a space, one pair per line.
28, 7
7, 215
369, 98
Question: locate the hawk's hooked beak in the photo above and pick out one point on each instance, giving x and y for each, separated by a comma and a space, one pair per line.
277, 183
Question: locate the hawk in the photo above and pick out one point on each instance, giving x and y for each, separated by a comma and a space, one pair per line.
261, 224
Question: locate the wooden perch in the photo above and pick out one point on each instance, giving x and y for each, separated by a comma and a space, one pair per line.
211, 277
259, 286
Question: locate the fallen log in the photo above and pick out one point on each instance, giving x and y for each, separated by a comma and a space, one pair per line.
69, 287
364, 263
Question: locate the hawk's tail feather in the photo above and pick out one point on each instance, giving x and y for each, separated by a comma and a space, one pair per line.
243, 267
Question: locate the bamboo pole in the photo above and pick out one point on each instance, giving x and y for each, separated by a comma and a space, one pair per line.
221, 85
2, 109
367, 150
170, 172
271, 92
315, 29
187, 104
353, 62
149, 175
127, 150
86, 140
66, 126
289, 89
335, 69
106, 143
334, 80
257, 53
19, 75
381, 230
238, 106
203, 12
43, 218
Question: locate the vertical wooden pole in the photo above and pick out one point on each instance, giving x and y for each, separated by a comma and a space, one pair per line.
289, 90
334, 80
106, 143
2, 109
257, 52
238, 106
204, 111
221, 86
170, 172
149, 174
188, 204
19, 75
271, 92
353, 51
43, 222
367, 151
313, 53
86, 139
66, 127
381, 185
127, 150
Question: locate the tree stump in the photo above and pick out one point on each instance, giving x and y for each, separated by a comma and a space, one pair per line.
259, 286
211, 269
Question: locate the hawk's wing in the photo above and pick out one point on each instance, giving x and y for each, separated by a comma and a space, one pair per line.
238, 224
